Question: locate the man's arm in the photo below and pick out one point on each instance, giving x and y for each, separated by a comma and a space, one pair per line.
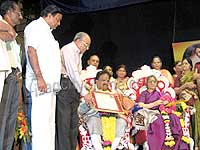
7, 33
33, 58
73, 72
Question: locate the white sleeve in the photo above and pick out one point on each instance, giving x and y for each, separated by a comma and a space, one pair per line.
32, 36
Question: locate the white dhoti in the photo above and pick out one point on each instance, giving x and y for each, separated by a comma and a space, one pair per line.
43, 121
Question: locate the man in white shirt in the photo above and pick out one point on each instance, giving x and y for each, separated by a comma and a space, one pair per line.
9, 72
43, 71
7, 33
89, 73
68, 98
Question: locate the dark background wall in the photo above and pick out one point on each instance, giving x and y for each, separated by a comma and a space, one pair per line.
133, 34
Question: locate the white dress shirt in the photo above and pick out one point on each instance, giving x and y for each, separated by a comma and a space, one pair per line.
39, 36
73, 66
4, 60
9, 54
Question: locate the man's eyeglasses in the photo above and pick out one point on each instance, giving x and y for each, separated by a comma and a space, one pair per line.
85, 44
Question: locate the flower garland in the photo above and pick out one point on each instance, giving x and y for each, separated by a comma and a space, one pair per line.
22, 131
85, 140
184, 121
169, 139
108, 128
165, 111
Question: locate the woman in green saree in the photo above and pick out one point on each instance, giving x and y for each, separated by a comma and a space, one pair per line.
186, 88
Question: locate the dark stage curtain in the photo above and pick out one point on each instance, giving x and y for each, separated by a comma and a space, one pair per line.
133, 34
77, 6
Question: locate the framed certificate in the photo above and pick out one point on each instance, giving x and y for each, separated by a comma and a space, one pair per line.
106, 102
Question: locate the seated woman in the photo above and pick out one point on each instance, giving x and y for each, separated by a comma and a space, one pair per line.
121, 78
186, 88
165, 132
177, 67
157, 64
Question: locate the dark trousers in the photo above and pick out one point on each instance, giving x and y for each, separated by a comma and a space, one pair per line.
8, 111
67, 102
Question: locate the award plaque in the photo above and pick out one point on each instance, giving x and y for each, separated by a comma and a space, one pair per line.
106, 102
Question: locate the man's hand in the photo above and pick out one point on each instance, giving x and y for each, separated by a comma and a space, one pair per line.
33, 58
42, 86
89, 99
12, 32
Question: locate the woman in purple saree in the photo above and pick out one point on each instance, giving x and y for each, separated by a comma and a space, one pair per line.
158, 133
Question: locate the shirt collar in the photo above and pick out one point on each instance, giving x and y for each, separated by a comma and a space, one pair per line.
45, 23
77, 50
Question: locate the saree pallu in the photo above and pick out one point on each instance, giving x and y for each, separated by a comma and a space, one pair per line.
193, 99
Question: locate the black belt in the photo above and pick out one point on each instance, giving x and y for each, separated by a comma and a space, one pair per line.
64, 76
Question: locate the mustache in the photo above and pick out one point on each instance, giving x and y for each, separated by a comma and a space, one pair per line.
105, 84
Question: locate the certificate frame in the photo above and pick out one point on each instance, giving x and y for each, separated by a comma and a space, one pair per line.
112, 104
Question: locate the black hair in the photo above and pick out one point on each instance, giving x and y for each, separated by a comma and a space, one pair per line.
121, 66
189, 51
156, 57
92, 55
106, 66
7, 5
197, 45
176, 63
100, 73
189, 61
50, 9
